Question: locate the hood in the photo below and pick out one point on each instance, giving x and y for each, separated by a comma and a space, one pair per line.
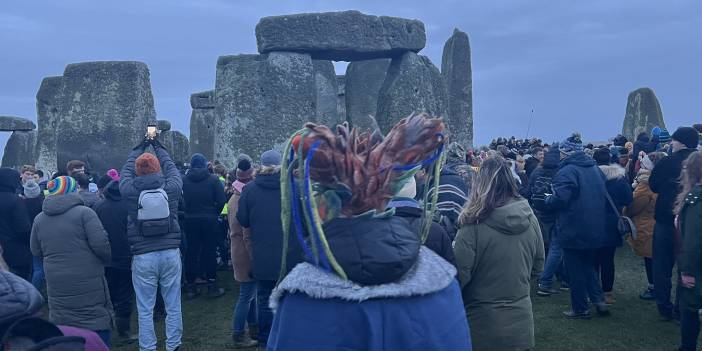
112, 191
58, 204
268, 181
512, 218
9, 180
18, 298
552, 158
579, 159
404, 211
149, 181
198, 174
613, 171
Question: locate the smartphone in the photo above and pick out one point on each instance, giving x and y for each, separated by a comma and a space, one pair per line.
151, 131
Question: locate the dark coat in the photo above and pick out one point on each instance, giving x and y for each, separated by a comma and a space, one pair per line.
690, 258
113, 211
621, 193
203, 194
454, 189
131, 185
540, 185
15, 225
579, 197
438, 239
75, 249
664, 181
33, 206
259, 209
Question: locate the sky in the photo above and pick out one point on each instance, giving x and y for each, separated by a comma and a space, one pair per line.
572, 62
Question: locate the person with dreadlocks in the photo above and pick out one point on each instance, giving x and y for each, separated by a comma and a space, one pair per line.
368, 283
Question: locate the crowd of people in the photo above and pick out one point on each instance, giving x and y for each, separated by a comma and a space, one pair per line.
409, 242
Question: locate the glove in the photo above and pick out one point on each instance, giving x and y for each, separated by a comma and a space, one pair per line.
143, 145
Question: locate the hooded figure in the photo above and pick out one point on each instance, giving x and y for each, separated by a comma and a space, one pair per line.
15, 225
75, 249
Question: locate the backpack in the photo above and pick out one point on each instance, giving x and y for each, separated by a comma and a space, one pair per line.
153, 213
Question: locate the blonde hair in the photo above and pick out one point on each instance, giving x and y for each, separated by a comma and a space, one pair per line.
492, 188
691, 176
268, 170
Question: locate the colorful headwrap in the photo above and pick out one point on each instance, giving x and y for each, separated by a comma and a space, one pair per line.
62, 185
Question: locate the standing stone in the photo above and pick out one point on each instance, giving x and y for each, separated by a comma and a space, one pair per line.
363, 82
48, 115
340, 36
104, 109
163, 125
19, 149
456, 71
643, 113
413, 84
327, 93
260, 101
11, 124
202, 123
177, 145
341, 97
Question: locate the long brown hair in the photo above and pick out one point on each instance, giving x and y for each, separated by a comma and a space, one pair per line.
492, 188
691, 176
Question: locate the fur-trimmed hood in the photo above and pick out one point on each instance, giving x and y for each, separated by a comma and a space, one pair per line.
613, 171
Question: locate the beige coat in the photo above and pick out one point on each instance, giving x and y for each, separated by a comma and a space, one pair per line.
642, 212
240, 248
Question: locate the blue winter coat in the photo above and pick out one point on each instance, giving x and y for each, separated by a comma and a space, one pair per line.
622, 195
318, 311
579, 197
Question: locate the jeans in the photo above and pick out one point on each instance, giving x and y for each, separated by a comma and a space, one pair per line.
201, 257
583, 279
119, 282
605, 267
149, 272
104, 336
648, 264
689, 329
554, 261
663, 263
38, 277
245, 308
265, 315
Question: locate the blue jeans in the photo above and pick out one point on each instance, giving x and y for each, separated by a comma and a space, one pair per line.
38, 272
245, 308
583, 279
149, 272
663, 263
554, 262
265, 315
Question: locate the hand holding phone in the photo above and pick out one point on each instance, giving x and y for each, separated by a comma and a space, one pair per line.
151, 131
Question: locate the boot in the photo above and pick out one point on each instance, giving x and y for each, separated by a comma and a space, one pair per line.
214, 291
242, 341
253, 331
124, 337
609, 298
191, 292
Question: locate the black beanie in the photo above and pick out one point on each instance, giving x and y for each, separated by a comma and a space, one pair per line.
688, 136
602, 156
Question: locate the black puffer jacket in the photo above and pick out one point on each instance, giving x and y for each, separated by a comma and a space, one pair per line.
18, 299
15, 226
665, 181
373, 251
438, 239
540, 184
203, 194
113, 211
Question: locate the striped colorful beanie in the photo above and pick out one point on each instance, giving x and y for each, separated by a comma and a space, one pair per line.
61, 186
573, 144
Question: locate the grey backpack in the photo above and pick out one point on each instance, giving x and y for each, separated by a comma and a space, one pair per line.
153, 213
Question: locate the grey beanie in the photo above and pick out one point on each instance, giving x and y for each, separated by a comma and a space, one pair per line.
31, 189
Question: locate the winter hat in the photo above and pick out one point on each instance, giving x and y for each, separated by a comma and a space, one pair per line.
552, 157
455, 153
688, 136
147, 164
198, 161
18, 298
664, 136
103, 181
409, 189
602, 156
244, 171
270, 158
646, 163
574, 143
62, 185
113, 174
9, 179
31, 189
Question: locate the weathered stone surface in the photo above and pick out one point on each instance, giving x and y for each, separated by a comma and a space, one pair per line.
413, 84
261, 100
202, 123
11, 124
363, 82
643, 113
327, 93
48, 114
340, 36
104, 110
163, 125
177, 145
456, 71
341, 97
19, 149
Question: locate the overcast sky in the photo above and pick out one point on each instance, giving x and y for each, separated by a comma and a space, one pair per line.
572, 62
